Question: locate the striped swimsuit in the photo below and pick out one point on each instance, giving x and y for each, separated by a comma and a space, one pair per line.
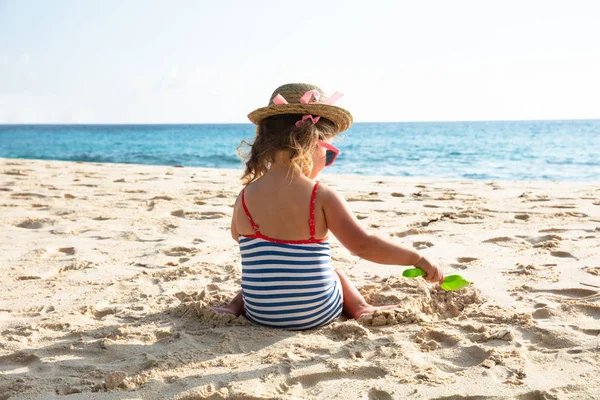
289, 284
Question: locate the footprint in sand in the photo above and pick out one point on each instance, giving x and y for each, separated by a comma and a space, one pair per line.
572, 214
500, 239
67, 250
466, 259
57, 327
534, 199
148, 179
422, 245
551, 339
588, 309
199, 215
34, 311
209, 391
27, 277
342, 331
21, 358
540, 239
592, 270
428, 340
101, 218
553, 230
353, 199
33, 223
27, 195
133, 237
523, 270
94, 313
85, 184
377, 394
573, 293
506, 241
468, 217
546, 241
543, 313
454, 358
562, 254
562, 206
98, 237
181, 251
14, 172
100, 314
167, 198
77, 265
421, 224
307, 378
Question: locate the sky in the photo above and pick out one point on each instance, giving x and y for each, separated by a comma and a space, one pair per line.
184, 61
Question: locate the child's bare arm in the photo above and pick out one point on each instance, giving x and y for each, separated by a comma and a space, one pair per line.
344, 225
234, 231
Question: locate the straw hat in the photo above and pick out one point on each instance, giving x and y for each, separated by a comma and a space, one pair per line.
293, 93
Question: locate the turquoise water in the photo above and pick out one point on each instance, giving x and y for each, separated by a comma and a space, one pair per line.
518, 150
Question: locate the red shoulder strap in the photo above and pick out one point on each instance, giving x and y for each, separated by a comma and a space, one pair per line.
311, 222
254, 226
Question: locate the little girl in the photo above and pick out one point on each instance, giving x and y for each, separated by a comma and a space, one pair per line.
282, 217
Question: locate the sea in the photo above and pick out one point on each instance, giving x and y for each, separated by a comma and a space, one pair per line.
499, 150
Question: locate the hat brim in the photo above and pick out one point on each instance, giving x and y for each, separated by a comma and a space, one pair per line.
341, 118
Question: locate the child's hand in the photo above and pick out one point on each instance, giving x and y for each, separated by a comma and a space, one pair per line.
433, 270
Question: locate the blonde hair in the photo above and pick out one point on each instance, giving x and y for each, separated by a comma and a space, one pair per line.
279, 132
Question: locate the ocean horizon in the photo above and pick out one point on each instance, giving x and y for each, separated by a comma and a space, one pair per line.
537, 150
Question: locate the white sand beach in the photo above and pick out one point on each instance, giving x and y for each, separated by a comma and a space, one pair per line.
107, 272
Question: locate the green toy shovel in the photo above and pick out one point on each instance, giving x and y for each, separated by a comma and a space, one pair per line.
451, 282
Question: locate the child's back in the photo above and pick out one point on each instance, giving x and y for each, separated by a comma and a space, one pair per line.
281, 208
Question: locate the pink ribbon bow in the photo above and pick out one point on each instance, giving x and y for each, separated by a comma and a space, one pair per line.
306, 99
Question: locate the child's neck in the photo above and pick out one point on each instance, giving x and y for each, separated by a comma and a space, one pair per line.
283, 170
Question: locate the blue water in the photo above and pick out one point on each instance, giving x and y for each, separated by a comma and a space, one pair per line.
517, 150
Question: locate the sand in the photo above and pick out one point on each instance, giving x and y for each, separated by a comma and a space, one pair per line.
107, 272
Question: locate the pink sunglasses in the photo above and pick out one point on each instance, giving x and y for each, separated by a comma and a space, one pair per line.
331, 153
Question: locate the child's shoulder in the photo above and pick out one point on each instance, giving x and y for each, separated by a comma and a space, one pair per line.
247, 189
326, 192
238, 198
